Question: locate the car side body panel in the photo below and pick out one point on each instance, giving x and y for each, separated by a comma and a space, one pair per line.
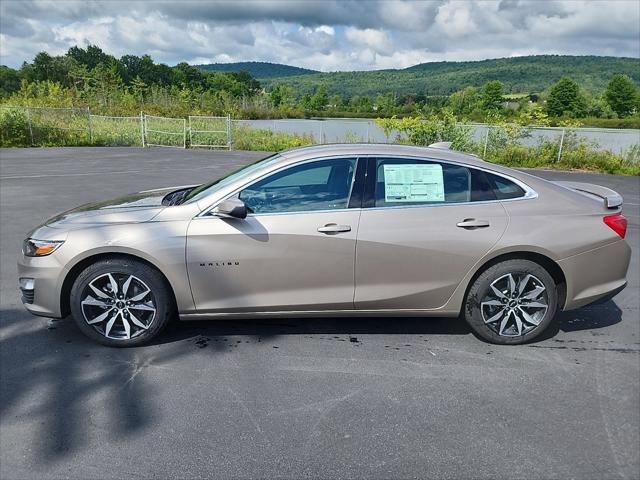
415, 257
272, 262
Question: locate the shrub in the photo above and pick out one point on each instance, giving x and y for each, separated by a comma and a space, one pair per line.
245, 138
14, 128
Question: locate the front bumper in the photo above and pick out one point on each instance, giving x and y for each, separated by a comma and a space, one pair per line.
48, 274
596, 275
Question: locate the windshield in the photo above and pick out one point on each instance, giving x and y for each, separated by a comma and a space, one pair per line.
207, 189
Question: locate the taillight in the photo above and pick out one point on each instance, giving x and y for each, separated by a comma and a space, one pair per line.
617, 223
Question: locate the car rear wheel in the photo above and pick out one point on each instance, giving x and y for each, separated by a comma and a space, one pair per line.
120, 302
511, 302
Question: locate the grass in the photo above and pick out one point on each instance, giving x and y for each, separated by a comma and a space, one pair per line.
66, 127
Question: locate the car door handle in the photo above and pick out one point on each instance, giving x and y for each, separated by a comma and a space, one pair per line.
330, 228
473, 223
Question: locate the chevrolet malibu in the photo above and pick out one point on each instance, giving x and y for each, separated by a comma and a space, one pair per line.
335, 230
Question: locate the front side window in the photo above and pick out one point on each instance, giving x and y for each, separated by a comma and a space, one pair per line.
318, 185
402, 182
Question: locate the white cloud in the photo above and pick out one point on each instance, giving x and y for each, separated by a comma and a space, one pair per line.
324, 35
370, 39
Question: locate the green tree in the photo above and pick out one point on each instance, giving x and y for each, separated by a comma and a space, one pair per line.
385, 103
621, 94
282, 96
361, 104
492, 93
184, 75
464, 101
9, 81
319, 99
565, 97
90, 57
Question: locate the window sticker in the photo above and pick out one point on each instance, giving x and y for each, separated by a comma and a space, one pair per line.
413, 183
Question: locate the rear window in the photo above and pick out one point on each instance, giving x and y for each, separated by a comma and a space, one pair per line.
504, 188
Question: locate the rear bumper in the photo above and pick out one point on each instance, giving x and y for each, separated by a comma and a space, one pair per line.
596, 275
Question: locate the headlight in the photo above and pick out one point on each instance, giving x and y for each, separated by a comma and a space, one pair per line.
40, 248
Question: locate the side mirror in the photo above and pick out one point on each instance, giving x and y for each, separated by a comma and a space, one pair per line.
232, 207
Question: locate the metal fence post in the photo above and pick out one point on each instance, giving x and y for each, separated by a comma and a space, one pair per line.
89, 125
229, 131
368, 136
561, 143
184, 133
142, 128
486, 141
29, 123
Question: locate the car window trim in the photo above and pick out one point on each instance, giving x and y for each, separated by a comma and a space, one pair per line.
206, 213
370, 185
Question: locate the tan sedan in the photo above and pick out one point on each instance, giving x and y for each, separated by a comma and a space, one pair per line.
338, 230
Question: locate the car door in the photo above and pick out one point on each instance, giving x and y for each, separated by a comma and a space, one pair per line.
424, 225
294, 251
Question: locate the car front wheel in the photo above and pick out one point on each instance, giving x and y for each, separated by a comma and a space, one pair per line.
511, 302
121, 302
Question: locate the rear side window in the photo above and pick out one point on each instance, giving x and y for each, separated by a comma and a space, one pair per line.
403, 182
414, 181
504, 188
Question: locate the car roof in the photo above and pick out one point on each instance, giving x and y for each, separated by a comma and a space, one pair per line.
334, 149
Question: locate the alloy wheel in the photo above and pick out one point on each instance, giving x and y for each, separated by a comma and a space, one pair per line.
119, 306
514, 304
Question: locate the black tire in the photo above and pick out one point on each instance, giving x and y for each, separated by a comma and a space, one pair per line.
480, 300
159, 297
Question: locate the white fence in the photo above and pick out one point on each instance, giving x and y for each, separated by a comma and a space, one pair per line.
211, 132
47, 126
164, 132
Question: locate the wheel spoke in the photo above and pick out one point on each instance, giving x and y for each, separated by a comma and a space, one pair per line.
529, 319
534, 305
518, 323
99, 292
142, 306
533, 294
100, 317
94, 302
110, 323
125, 286
503, 324
496, 317
512, 285
137, 321
497, 291
140, 296
127, 328
493, 303
114, 284
523, 284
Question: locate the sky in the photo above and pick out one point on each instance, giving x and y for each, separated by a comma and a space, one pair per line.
322, 35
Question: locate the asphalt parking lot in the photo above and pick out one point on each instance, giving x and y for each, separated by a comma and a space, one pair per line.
323, 398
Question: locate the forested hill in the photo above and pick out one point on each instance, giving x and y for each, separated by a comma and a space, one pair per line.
528, 74
262, 70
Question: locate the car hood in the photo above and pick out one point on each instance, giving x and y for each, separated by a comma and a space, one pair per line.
133, 208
